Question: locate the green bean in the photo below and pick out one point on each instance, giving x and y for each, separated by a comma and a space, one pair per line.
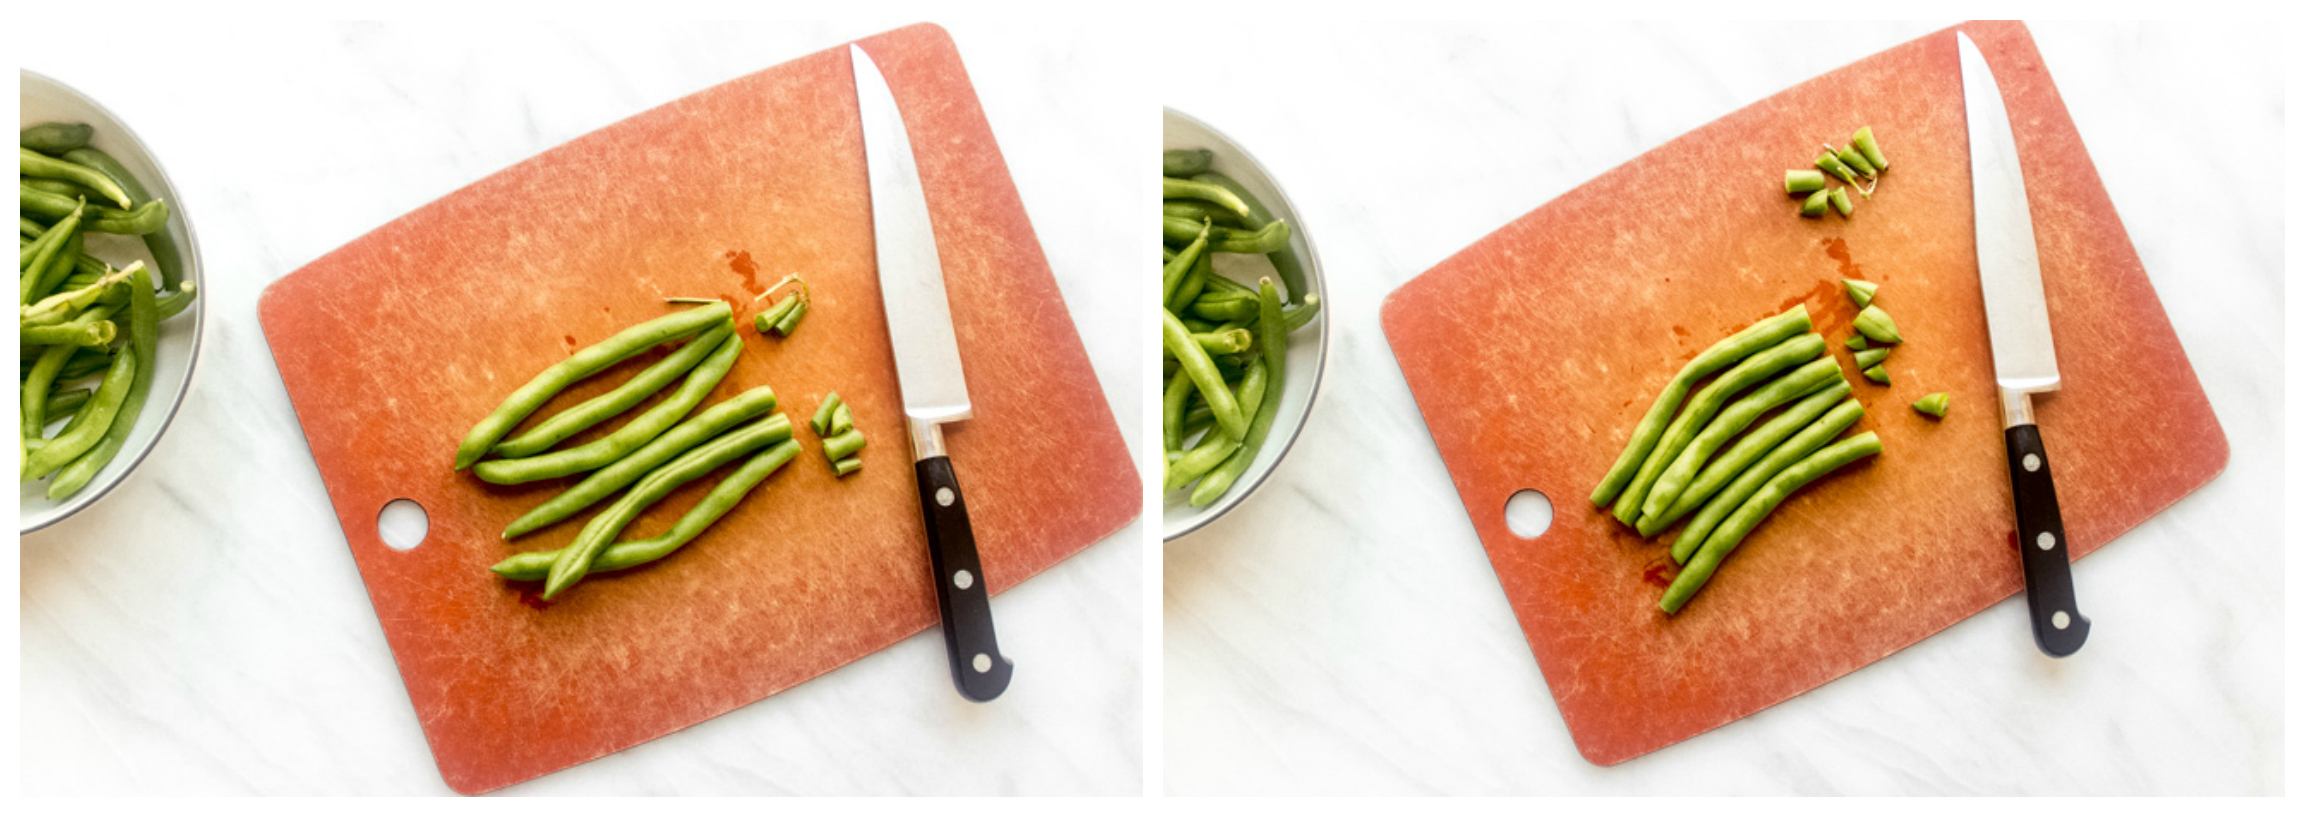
1271, 238
1738, 346
62, 268
89, 360
39, 165
525, 400
1857, 342
576, 559
842, 421
159, 242
1221, 341
70, 190
1733, 531
1804, 181
1839, 198
1862, 140
731, 490
1273, 340
35, 396
144, 219
1215, 449
54, 138
1196, 210
1877, 325
591, 412
1814, 206
1195, 280
847, 466
1225, 309
1704, 404
1284, 259
1868, 358
1877, 374
821, 421
144, 346
1860, 292
76, 333
32, 266
765, 322
64, 402
634, 434
1731, 421
178, 301
1934, 405
87, 428
61, 306
839, 446
1186, 162
1855, 162
1172, 188
1810, 438
1205, 377
1180, 388
790, 320
688, 435
1174, 272
1832, 164
1753, 446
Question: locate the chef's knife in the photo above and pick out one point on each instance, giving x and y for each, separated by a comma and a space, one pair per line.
928, 373
2024, 357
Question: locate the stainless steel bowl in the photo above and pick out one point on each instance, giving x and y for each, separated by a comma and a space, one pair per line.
42, 99
1308, 348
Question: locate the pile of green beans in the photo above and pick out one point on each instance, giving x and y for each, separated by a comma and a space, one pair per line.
1862, 159
780, 318
836, 427
654, 453
1700, 457
1224, 345
79, 318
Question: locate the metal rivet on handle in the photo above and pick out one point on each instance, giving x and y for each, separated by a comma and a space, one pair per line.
2060, 620
2032, 462
944, 497
2046, 540
983, 663
962, 580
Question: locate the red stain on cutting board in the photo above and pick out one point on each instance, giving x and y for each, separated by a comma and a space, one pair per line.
1524, 388
393, 346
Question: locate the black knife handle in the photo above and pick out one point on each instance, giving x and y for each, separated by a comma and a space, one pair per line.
962, 601
2058, 626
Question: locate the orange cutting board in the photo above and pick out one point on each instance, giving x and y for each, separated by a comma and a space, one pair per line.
1535, 351
395, 345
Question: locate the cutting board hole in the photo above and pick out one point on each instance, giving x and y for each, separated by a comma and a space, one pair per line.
1528, 513
402, 524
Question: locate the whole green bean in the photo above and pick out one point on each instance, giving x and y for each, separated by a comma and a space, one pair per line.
631, 436
1271, 238
61, 268
821, 421
1205, 377
76, 333
1738, 346
731, 490
1703, 405
1173, 188
526, 399
144, 346
840, 446
576, 559
1225, 309
1284, 260
1197, 210
1725, 539
35, 396
1195, 281
143, 219
160, 242
31, 266
1810, 438
87, 428
1731, 421
1754, 445
54, 138
90, 360
1174, 272
70, 190
688, 435
1186, 162
39, 165
64, 402
1173, 397
591, 412
178, 301
1273, 340
63, 306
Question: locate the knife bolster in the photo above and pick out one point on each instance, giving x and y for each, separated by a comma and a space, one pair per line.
2016, 408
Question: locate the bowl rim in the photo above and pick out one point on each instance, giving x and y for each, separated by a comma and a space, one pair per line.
1320, 286
194, 272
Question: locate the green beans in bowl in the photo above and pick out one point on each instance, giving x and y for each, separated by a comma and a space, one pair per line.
1244, 328
109, 327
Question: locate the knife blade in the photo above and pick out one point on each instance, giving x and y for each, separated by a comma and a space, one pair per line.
928, 374
2024, 352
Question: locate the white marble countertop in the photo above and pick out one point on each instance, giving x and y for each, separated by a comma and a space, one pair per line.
1343, 631
204, 630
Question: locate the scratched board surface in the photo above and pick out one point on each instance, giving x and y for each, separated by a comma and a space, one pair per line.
396, 344
1592, 301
